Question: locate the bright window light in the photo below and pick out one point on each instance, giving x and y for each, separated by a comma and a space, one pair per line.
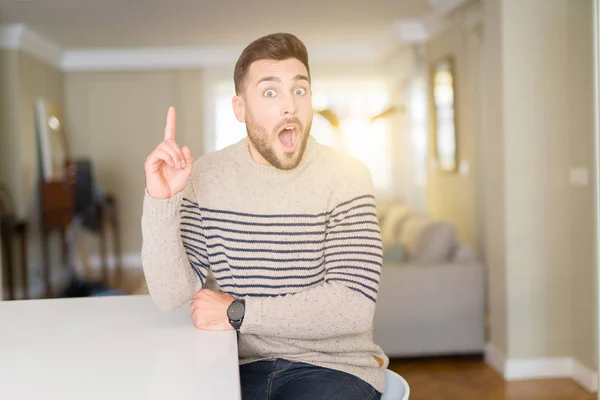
354, 101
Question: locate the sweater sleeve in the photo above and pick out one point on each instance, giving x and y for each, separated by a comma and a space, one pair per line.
174, 256
344, 304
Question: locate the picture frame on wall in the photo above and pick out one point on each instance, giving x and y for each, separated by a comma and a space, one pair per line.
443, 97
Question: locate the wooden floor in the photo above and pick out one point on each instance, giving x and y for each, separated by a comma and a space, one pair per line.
471, 378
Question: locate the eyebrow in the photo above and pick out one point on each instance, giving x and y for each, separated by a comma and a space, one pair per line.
298, 77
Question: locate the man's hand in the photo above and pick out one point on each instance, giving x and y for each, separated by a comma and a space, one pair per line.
168, 167
209, 310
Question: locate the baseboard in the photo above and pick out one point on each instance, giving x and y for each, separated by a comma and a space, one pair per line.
494, 358
128, 260
584, 376
541, 368
538, 368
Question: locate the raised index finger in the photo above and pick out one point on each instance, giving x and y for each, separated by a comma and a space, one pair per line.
170, 128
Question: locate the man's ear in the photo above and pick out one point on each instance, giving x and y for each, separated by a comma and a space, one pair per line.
239, 108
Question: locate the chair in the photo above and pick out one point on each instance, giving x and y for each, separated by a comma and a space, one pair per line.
396, 387
56, 210
96, 211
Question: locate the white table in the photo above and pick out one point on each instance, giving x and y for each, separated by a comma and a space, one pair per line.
108, 348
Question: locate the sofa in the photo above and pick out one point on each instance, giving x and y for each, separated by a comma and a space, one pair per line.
431, 298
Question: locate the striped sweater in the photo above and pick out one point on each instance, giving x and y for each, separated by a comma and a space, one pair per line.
303, 247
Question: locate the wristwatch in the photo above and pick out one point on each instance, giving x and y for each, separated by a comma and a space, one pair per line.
235, 313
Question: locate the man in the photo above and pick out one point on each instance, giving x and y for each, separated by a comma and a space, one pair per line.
288, 228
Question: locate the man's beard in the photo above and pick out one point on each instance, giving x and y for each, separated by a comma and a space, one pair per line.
261, 140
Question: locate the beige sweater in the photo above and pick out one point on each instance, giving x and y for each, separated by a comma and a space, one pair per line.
303, 247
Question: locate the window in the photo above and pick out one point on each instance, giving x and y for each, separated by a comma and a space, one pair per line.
417, 127
354, 102
228, 130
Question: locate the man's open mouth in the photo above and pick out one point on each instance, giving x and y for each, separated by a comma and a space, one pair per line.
288, 136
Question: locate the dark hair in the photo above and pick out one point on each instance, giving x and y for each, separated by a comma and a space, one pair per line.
276, 46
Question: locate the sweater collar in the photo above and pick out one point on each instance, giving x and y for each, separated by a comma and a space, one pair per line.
268, 171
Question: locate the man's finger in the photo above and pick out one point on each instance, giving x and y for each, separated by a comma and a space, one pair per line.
189, 158
170, 128
164, 155
155, 159
180, 157
202, 292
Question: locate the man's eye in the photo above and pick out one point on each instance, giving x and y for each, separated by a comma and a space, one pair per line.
269, 93
300, 91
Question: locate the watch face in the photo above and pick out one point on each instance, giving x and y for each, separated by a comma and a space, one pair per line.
236, 310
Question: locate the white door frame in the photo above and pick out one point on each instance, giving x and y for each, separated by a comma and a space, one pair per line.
597, 169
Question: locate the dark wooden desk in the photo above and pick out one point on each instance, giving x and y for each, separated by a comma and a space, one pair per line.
57, 207
11, 230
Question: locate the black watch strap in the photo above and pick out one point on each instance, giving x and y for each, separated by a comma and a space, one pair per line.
235, 313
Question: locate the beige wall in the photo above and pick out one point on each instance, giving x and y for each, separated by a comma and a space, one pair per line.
24, 79
9, 122
537, 138
493, 169
549, 129
538, 123
117, 118
453, 196
581, 209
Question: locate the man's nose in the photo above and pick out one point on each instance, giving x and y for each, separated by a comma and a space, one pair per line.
288, 105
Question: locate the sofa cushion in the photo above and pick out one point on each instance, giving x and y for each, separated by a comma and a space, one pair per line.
391, 222
464, 254
428, 241
438, 243
394, 253
411, 232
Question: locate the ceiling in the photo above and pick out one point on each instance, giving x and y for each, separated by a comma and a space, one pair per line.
76, 24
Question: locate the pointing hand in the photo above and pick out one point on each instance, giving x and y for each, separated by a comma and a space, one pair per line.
168, 167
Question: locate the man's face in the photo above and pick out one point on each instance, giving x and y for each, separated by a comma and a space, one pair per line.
276, 106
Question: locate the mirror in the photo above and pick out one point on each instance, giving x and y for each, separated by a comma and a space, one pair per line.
443, 84
52, 141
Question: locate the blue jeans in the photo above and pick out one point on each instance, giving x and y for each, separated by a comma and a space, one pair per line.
282, 379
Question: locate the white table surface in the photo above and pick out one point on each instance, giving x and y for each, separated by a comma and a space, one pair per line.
119, 347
